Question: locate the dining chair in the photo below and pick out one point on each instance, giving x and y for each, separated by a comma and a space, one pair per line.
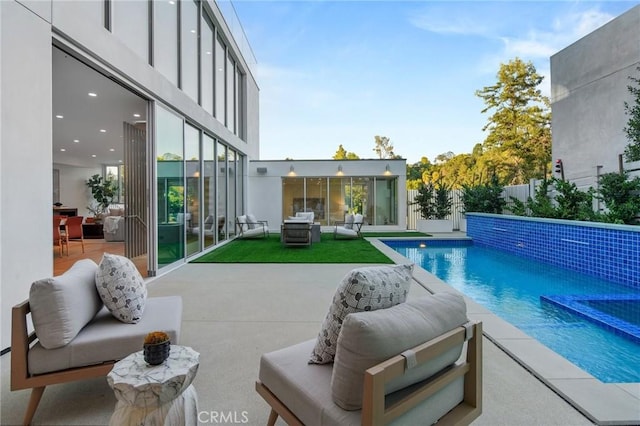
58, 238
73, 231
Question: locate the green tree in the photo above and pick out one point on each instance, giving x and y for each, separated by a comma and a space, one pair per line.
632, 151
343, 154
519, 129
383, 148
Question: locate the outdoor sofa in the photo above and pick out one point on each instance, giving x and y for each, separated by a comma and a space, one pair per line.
75, 335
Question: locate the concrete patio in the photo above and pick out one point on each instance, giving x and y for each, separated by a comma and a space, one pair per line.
233, 313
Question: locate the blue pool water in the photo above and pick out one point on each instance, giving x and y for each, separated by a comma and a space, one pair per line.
512, 288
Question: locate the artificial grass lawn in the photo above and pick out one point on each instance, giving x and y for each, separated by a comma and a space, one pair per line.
328, 250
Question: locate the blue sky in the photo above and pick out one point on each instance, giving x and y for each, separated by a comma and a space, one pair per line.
342, 72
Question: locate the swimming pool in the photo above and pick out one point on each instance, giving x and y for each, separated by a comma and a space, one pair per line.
546, 302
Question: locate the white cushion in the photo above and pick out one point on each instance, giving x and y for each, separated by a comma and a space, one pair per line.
308, 216
358, 218
341, 230
348, 221
369, 338
242, 220
62, 305
121, 288
251, 221
362, 289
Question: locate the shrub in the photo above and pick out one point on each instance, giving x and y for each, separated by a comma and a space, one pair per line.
434, 201
483, 198
621, 196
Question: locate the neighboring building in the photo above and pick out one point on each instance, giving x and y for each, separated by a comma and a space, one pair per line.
589, 82
330, 188
157, 94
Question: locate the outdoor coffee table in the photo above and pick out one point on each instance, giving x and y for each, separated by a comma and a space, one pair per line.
156, 395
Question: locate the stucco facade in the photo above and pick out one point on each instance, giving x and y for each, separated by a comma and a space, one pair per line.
589, 82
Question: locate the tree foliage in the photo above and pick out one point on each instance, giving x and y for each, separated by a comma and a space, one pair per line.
383, 148
434, 200
632, 151
621, 195
343, 154
520, 123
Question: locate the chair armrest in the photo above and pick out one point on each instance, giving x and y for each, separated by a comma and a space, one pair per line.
20, 340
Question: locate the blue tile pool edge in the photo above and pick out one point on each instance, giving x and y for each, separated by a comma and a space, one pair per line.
572, 389
572, 304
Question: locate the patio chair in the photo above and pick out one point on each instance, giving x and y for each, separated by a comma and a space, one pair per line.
296, 233
419, 383
350, 227
249, 227
73, 231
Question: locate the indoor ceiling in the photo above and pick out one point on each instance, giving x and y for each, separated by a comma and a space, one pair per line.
87, 129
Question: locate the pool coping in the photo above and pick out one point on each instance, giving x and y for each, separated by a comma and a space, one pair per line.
602, 403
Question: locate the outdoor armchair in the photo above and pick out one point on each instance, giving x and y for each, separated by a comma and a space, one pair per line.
350, 227
249, 227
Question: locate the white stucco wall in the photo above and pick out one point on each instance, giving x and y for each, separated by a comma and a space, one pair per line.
25, 142
265, 196
589, 82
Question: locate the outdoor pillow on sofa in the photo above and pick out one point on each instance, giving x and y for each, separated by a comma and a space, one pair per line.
61, 306
362, 289
121, 288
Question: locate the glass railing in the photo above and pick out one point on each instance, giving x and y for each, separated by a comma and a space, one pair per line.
233, 22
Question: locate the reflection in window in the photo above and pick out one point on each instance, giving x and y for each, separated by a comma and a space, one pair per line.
207, 58
231, 184
116, 175
170, 195
210, 223
165, 38
192, 163
231, 92
292, 196
220, 66
362, 197
189, 45
229, 223
316, 199
386, 201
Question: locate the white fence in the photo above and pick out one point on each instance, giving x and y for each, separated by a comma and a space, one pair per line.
521, 192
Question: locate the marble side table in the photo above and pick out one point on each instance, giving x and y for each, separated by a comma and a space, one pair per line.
156, 395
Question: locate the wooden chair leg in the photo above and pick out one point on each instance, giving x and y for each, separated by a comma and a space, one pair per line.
34, 400
273, 416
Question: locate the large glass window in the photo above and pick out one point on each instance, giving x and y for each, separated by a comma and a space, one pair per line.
165, 38
292, 196
193, 202
207, 58
130, 24
316, 199
228, 223
231, 185
339, 203
220, 66
211, 221
386, 206
171, 196
189, 45
231, 92
361, 196
239, 94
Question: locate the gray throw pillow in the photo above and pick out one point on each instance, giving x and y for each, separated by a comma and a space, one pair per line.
362, 289
121, 288
369, 338
62, 305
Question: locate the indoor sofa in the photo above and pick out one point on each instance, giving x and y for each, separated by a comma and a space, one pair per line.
76, 336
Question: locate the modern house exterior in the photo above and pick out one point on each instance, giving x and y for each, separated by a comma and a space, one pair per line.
160, 97
589, 80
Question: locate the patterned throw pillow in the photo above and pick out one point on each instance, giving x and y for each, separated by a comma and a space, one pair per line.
121, 288
362, 289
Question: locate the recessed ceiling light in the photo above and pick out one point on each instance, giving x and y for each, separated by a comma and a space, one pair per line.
93, 95
208, 53
172, 2
112, 149
93, 155
103, 131
62, 149
193, 31
76, 141
136, 115
119, 161
59, 116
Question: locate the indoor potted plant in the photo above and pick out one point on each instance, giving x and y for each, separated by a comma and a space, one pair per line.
156, 347
103, 191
